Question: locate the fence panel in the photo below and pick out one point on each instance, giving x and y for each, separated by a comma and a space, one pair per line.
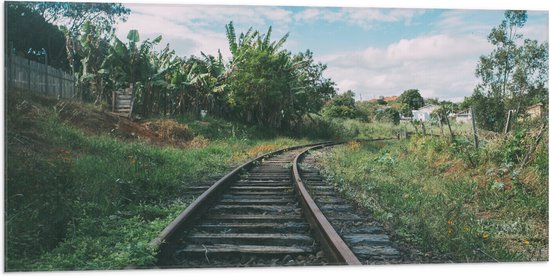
27, 76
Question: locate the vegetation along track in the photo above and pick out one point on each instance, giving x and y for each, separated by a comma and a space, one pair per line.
261, 214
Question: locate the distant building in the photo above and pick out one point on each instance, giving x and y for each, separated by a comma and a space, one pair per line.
424, 113
463, 117
535, 111
386, 99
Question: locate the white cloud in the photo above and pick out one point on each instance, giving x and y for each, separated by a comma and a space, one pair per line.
185, 40
362, 17
440, 63
189, 28
439, 66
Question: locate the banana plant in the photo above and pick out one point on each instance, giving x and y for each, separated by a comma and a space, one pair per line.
127, 64
157, 82
92, 49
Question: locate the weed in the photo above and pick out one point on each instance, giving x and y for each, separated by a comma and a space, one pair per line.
76, 201
475, 213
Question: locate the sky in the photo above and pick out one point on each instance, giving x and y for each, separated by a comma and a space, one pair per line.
372, 50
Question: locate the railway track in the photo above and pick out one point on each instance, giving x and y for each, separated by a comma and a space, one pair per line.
261, 214
364, 236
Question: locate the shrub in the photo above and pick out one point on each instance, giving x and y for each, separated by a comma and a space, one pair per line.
388, 115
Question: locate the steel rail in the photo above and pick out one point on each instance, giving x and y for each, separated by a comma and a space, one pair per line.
198, 205
331, 242
336, 249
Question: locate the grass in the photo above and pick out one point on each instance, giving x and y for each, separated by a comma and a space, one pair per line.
76, 201
429, 195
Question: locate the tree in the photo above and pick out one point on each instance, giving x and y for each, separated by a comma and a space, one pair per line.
269, 86
129, 65
365, 110
442, 114
92, 50
29, 33
259, 83
310, 88
341, 106
73, 15
388, 115
411, 100
512, 75
157, 67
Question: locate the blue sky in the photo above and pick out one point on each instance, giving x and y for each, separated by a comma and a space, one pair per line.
372, 51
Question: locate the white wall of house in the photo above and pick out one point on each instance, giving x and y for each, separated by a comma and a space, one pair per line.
420, 115
463, 117
424, 113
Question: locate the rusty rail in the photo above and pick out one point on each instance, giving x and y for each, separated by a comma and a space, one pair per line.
332, 243
197, 206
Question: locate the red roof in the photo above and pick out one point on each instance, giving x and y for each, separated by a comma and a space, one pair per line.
386, 99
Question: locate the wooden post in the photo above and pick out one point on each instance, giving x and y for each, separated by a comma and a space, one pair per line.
46, 79
61, 82
440, 125
450, 130
113, 101
9, 72
29, 75
131, 100
507, 127
476, 143
78, 89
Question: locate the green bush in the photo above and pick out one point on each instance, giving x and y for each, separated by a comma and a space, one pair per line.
388, 115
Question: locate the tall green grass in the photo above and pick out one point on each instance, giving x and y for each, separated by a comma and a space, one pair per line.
431, 198
76, 201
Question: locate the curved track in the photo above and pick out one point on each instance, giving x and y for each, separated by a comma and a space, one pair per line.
365, 238
260, 214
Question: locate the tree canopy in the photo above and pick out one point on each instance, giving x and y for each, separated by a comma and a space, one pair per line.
513, 76
261, 83
341, 106
411, 100
270, 86
72, 16
32, 37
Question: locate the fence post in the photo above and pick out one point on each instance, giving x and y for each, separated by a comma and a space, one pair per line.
113, 101
29, 75
9, 72
449, 125
476, 144
11, 69
507, 127
60, 83
46, 77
